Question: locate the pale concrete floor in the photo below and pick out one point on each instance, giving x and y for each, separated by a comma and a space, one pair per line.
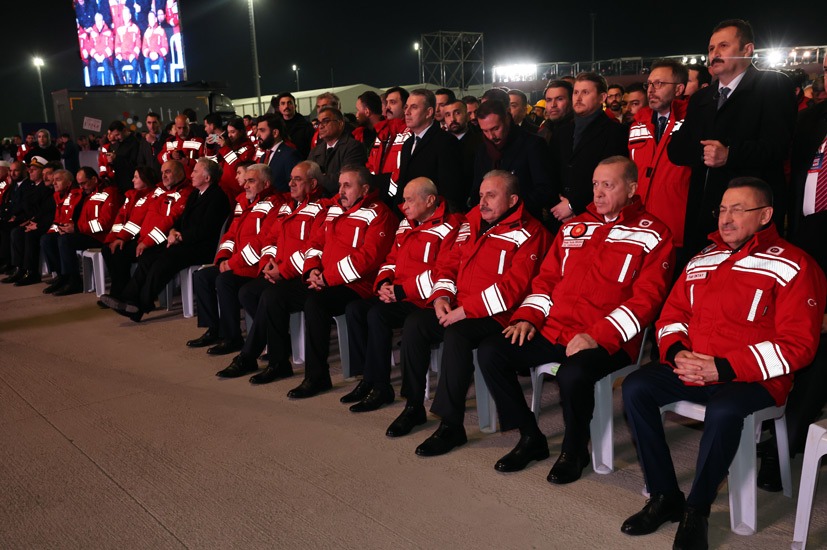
115, 435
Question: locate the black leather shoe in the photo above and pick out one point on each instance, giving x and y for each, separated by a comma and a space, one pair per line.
272, 373
29, 279
69, 289
410, 417
376, 399
443, 440
358, 393
530, 447
769, 474
239, 366
207, 339
57, 284
120, 306
658, 510
15, 276
568, 468
310, 388
692, 531
225, 347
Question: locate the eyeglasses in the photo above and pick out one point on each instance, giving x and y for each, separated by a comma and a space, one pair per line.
657, 84
735, 211
326, 121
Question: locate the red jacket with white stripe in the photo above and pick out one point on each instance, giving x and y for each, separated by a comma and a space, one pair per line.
757, 310
606, 279
104, 170
663, 187
132, 213
98, 212
229, 159
239, 245
66, 205
414, 253
386, 152
489, 274
191, 149
351, 244
287, 238
165, 207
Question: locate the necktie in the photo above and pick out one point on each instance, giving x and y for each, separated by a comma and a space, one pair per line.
821, 182
415, 143
662, 120
723, 94
328, 155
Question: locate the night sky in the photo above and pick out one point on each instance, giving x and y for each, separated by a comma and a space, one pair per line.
372, 42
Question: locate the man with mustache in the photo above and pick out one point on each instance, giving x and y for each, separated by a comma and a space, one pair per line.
740, 125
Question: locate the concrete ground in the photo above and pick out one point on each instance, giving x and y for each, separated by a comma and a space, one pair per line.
115, 435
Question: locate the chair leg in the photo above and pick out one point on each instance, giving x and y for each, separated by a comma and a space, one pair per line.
187, 295
296, 336
486, 408
742, 488
784, 455
537, 380
815, 449
601, 427
344, 356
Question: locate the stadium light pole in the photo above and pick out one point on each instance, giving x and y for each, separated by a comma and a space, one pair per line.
418, 50
255, 53
296, 70
38, 63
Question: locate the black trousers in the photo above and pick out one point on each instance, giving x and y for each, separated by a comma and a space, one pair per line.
500, 360
156, 267
420, 332
25, 248
370, 324
61, 252
5, 240
655, 385
216, 294
271, 325
806, 399
119, 265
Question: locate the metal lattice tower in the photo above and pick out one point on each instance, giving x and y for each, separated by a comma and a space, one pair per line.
453, 59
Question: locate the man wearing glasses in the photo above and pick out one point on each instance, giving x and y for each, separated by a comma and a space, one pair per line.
334, 149
740, 125
662, 185
743, 316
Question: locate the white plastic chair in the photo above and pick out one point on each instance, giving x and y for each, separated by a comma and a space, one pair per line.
601, 427
743, 503
95, 256
297, 337
187, 292
816, 448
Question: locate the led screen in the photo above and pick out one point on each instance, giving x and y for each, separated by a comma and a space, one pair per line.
130, 41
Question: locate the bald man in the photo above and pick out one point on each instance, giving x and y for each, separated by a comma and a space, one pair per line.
182, 146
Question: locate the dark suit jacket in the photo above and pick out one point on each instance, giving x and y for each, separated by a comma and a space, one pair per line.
809, 232
281, 164
526, 156
468, 146
601, 139
437, 156
200, 224
347, 151
756, 123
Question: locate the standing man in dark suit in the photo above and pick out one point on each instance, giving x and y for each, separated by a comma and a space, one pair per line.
274, 152
336, 148
191, 241
580, 144
740, 125
429, 152
455, 117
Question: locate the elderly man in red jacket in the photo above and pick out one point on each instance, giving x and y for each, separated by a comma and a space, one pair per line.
601, 283
744, 315
403, 286
236, 263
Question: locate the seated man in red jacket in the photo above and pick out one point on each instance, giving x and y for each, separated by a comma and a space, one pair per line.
236, 263
337, 267
91, 221
744, 315
402, 287
601, 284
478, 282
